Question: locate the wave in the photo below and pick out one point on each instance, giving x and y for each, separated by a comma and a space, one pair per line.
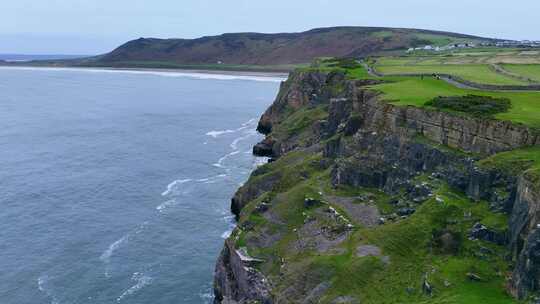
249, 122
211, 180
194, 75
220, 162
171, 187
161, 208
42, 286
234, 144
207, 295
109, 252
245, 125
230, 219
41, 283
259, 161
225, 235
142, 281
216, 134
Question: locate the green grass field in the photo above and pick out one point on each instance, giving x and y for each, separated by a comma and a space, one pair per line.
413, 91
475, 73
531, 71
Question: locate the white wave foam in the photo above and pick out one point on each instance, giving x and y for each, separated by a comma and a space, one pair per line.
230, 219
41, 283
249, 122
248, 134
42, 286
171, 187
207, 295
211, 180
234, 144
193, 75
215, 178
259, 161
107, 254
227, 234
142, 281
221, 161
216, 134
245, 125
161, 208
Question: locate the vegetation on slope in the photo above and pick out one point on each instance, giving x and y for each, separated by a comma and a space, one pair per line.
479, 106
277, 49
515, 162
410, 247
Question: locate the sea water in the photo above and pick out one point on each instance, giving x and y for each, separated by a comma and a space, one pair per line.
115, 185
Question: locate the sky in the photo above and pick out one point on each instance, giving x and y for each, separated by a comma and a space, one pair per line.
97, 26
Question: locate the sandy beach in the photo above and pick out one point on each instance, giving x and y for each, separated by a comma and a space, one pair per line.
205, 74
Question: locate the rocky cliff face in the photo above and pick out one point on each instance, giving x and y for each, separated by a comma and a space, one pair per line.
399, 162
525, 238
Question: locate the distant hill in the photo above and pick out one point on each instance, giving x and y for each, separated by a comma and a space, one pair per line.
277, 49
256, 51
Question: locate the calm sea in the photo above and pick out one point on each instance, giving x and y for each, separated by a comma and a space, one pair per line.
115, 186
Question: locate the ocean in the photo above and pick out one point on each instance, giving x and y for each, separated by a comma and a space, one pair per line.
115, 186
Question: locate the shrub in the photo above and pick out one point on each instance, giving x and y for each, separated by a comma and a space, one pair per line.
345, 63
480, 106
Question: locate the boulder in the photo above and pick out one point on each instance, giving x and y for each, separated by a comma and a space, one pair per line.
481, 232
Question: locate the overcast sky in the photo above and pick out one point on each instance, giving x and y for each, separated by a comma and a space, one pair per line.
97, 26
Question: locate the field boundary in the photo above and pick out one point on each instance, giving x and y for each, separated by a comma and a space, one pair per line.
501, 70
458, 81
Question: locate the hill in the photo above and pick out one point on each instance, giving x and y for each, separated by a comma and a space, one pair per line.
279, 50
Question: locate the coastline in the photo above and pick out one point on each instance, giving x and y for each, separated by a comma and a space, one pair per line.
230, 74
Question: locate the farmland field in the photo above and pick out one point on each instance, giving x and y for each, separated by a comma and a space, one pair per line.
531, 71
475, 73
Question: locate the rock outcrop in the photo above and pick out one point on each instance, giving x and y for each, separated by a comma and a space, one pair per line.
525, 238
236, 281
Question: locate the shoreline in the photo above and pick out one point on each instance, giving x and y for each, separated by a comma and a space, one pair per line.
186, 72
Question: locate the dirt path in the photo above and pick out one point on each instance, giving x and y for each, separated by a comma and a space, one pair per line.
502, 71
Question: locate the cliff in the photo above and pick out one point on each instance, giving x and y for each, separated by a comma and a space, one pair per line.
368, 202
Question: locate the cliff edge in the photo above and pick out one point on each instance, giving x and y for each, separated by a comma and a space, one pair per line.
365, 201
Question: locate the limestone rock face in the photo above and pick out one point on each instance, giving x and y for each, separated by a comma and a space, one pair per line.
236, 281
297, 91
525, 239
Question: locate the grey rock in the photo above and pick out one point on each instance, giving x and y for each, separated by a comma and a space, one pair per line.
406, 211
481, 232
345, 300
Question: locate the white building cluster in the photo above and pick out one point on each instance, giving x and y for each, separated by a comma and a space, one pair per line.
443, 48
463, 45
